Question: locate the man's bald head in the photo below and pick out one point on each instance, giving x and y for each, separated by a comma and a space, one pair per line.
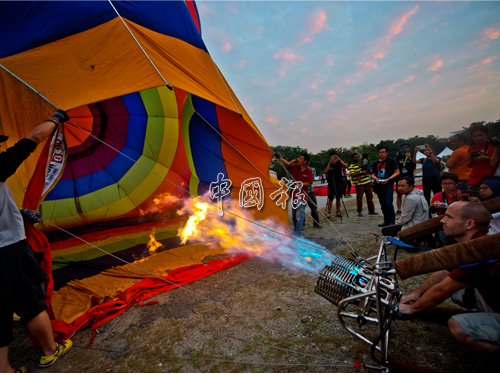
463, 219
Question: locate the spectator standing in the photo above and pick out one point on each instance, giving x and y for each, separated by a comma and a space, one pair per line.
300, 172
323, 178
464, 221
347, 182
430, 172
415, 208
457, 161
312, 202
335, 181
22, 280
406, 169
478, 156
360, 175
384, 172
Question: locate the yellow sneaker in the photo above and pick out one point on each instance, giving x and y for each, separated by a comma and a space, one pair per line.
16, 317
21, 370
62, 348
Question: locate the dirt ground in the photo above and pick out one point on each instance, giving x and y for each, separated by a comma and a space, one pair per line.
254, 317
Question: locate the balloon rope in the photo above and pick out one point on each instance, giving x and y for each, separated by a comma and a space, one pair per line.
183, 288
225, 86
139, 44
37, 92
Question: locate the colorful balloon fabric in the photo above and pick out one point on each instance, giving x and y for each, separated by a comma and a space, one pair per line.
152, 121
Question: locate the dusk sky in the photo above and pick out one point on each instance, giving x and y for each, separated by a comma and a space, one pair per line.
338, 74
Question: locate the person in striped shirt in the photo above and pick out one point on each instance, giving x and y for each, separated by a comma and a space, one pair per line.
360, 175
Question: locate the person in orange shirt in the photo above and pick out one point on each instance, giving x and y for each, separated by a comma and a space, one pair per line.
457, 161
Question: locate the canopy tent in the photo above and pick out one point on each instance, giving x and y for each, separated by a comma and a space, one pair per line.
445, 152
152, 121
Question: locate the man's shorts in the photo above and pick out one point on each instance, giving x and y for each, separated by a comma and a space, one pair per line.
336, 189
22, 287
483, 327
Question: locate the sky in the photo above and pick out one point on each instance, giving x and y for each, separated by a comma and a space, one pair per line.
337, 74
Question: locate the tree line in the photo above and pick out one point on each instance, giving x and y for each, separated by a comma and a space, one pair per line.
320, 160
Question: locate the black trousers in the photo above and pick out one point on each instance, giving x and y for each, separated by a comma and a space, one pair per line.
391, 231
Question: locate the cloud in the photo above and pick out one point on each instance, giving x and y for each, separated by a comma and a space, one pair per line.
397, 26
331, 96
206, 10
329, 62
379, 50
316, 105
283, 70
314, 86
223, 39
314, 25
369, 98
227, 47
287, 56
490, 34
435, 78
231, 8
435, 66
368, 65
482, 62
241, 64
262, 84
272, 120
406, 80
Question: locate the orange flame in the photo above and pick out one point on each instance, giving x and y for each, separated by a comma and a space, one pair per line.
200, 212
161, 203
153, 244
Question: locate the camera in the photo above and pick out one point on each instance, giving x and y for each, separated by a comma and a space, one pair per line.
495, 141
421, 148
475, 154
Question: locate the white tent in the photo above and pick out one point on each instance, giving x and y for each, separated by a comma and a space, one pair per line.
445, 152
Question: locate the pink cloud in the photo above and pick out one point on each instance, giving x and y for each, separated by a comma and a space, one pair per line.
287, 56
206, 10
435, 66
227, 47
315, 25
303, 130
368, 65
482, 62
330, 62
272, 120
406, 80
241, 64
331, 96
317, 105
435, 78
314, 86
347, 81
283, 70
262, 84
369, 98
397, 26
379, 50
231, 8
490, 34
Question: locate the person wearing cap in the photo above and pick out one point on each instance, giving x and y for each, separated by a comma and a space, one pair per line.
406, 169
22, 280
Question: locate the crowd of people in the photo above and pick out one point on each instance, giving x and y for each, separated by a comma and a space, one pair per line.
452, 186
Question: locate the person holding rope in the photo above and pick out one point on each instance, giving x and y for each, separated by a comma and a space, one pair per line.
22, 280
300, 172
464, 221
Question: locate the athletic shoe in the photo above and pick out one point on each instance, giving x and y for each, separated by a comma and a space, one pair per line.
339, 214
360, 214
61, 348
349, 196
316, 225
372, 213
16, 317
329, 215
21, 370
398, 213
